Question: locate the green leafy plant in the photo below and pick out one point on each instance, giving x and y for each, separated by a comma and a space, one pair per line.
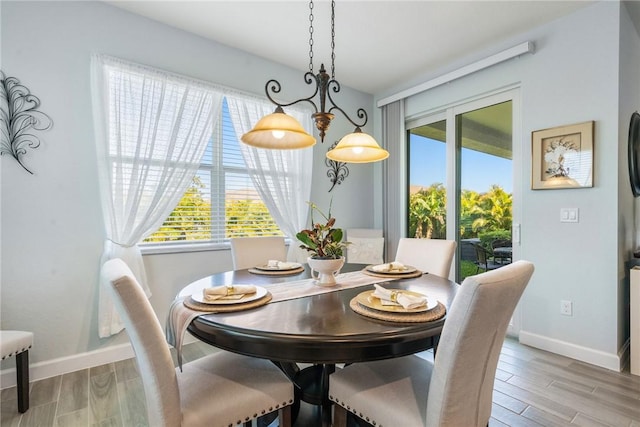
322, 240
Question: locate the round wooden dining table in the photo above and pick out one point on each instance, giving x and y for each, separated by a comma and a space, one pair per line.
321, 330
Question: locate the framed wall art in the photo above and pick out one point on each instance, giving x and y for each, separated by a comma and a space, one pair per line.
562, 157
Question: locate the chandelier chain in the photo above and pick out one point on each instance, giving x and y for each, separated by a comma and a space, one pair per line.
311, 36
333, 39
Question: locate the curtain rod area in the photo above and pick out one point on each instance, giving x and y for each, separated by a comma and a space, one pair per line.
522, 48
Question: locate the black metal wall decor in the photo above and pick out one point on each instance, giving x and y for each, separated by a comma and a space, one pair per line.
338, 171
19, 116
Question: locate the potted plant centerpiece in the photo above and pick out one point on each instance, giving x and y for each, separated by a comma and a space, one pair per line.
324, 242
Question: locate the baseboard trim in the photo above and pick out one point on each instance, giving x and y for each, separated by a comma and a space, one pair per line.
610, 361
64, 365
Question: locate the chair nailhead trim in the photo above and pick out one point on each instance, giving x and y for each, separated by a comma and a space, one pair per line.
15, 353
353, 411
263, 412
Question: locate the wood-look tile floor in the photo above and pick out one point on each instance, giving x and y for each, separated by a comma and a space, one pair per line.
532, 388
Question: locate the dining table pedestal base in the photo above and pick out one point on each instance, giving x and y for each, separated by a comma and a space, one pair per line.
312, 386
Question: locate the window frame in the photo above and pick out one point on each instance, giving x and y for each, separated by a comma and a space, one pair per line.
217, 172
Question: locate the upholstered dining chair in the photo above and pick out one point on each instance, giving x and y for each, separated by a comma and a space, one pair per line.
456, 389
248, 252
366, 245
221, 389
18, 343
433, 256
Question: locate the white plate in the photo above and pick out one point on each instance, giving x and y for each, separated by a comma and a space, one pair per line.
366, 299
407, 270
291, 266
260, 292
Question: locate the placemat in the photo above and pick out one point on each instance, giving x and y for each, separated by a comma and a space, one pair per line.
388, 276
428, 316
277, 272
227, 308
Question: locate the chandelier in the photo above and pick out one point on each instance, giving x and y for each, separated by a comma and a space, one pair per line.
281, 131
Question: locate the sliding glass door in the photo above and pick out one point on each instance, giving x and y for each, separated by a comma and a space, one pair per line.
460, 181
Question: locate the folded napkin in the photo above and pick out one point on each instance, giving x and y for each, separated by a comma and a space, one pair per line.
227, 292
393, 297
178, 320
272, 263
392, 267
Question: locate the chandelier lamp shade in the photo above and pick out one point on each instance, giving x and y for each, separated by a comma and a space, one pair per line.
357, 147
278, 131
281, 131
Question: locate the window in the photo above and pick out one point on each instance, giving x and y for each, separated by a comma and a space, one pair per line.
168, 166
221, 201
172, 170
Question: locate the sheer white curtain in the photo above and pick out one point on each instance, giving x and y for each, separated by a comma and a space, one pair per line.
394, 177
152, 128
281, 177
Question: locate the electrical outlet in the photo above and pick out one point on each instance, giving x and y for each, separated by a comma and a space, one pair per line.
566, 308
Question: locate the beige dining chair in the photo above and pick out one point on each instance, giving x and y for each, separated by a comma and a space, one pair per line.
366, 245
247, 252
18, 343
457, 388
222, 389
433, 256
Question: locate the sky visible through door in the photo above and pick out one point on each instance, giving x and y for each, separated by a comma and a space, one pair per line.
428, 166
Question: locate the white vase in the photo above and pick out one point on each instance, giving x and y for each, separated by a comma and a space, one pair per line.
326, 269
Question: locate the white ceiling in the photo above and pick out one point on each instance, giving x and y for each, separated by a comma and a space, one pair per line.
380, 44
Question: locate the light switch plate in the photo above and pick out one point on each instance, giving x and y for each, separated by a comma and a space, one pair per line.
569, 215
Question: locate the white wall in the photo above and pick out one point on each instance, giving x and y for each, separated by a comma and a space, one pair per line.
52, 231
571, 78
